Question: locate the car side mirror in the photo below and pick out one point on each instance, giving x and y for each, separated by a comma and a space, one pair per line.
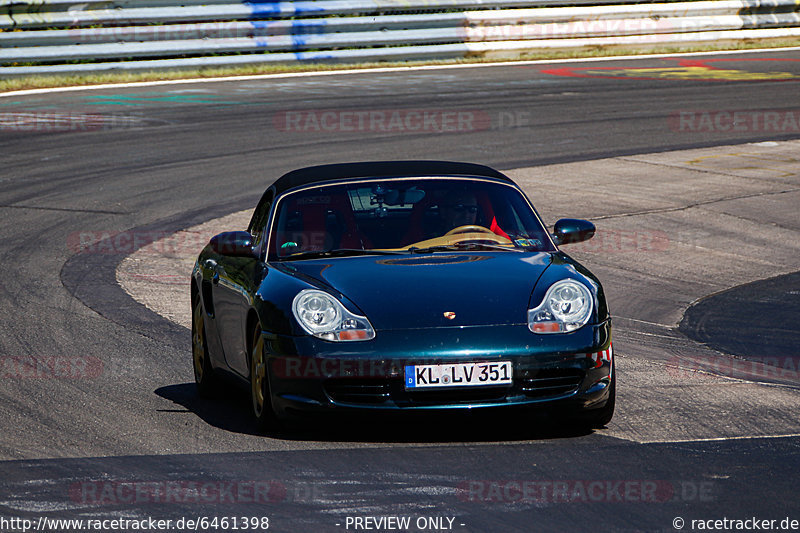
572, 230
234, 244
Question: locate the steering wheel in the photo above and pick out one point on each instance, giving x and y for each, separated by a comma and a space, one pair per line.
468, 228
467, 233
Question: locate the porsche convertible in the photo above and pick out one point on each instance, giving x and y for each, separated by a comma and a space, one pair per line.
402, 286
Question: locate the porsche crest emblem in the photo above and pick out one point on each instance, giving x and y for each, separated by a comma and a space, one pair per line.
449, 315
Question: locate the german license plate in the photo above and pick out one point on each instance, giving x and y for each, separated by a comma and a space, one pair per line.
458, 375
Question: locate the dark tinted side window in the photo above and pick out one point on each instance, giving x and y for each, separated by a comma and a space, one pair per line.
258, 223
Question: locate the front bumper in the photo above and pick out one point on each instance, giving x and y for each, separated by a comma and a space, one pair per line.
549, 371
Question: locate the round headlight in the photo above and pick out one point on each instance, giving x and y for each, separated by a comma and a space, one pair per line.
323, 316
566, 307
317, 311
569, 301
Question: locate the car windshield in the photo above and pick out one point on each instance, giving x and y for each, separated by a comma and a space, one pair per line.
416, 215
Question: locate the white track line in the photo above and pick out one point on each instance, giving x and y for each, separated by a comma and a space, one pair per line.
713, 439
28, 92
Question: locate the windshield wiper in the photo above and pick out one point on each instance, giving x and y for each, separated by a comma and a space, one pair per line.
470, 245
338, 252
428, 249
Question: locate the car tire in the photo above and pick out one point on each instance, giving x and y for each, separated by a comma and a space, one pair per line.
206, 380
259, 382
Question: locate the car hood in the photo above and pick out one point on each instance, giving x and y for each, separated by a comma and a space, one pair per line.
415, 291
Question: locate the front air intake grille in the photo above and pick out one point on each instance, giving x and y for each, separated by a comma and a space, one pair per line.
455, 396
550, 382
358, 391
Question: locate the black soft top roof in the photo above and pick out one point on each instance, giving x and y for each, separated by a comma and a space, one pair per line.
373, 169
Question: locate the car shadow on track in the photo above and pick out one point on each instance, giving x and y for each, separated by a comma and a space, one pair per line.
232, 412
229, 411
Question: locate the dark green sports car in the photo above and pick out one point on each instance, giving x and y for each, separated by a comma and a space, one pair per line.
402, 286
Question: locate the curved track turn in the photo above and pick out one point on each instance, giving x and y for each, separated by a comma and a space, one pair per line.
97, 394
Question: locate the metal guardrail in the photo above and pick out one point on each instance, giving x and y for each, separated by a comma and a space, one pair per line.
157, 35
9, 7
143, 13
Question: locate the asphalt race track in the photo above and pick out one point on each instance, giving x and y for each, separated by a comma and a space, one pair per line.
98, 416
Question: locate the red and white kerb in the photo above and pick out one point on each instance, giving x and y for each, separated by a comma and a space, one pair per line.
599, 357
